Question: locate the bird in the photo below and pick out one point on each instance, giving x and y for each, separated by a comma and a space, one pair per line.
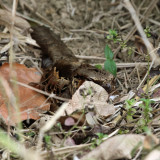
57, 55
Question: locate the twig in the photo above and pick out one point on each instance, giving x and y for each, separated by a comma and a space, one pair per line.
138, 154
145, 75
40, 71
152, 21
119, 65
11, 56
50, 124
40, 16
40, 91
133, 30
132, 11
90, 57
11, 69
148, 45
126, 65
18, 148
8, 92
151, 50
69, 149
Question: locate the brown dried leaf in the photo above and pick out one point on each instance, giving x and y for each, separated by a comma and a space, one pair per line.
39, 123
150, 142
87, 95
154, 155
116, 147
90, 118
91, 95
56, 140
156, 121
156, 93
31, 103
98, 128
69, 142
105, 110
140, 45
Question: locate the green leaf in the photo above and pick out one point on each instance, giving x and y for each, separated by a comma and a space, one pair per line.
113, 32
98, 66
108, 53
47, 139
110, 66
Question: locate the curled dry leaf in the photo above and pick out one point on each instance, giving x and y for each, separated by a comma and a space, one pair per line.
90, 118
150, 142
30, 103
105, 110
156, 121
156, 93
154, 155
39, 123
140, 45
56, 140
69, 142
98, 128
116, 147
91, 95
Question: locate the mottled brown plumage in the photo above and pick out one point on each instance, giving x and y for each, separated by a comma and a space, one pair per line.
51, 45
64, 60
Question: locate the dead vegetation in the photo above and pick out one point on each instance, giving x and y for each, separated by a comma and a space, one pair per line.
54, 102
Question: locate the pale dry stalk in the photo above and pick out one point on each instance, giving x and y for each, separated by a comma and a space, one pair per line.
149, 46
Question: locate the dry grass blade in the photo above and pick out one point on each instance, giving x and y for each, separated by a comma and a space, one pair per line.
19, 149
49, 125
40, 91
148, 45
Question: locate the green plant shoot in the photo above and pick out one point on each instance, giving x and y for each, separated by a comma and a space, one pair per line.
109, 64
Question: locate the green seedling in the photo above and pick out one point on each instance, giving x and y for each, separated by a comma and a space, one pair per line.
130, 51
144, 121
97, 141
123, 131
147, 31
146, 116
113, 35
130, 110
30, 134
98, 66
47, 140
60, 128
146, 112
116, 38
109, 64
